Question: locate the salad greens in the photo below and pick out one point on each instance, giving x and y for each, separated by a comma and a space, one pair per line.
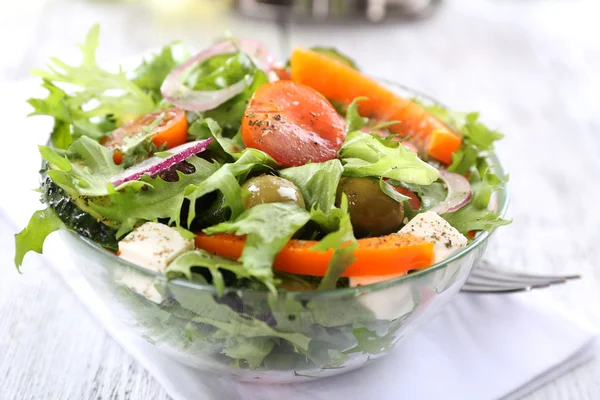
268, 227
252, 128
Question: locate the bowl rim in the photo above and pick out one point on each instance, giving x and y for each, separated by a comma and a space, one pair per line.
502, 196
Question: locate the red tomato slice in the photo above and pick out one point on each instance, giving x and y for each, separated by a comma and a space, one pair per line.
292, 123
171, 131
282, 73
414, 202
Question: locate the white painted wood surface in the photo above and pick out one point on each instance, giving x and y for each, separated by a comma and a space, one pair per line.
532, 68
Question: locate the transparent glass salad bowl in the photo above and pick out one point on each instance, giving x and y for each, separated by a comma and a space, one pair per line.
286, 337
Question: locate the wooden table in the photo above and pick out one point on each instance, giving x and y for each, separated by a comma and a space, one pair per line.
532, 68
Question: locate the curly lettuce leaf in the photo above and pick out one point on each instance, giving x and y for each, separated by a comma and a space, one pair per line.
363, 155
476, 215
70, 121
225, 180
478, 139
41, 224
343, 244
98, 84
152, 198
225, 147
229, 114
268, 228
236, 335
150, 75
484, 182
354, 122
317, 182
471, 157
223, 70
88, 172
183, 264
471, 218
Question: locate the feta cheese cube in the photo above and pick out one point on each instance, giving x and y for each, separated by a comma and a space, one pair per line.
140, 284
153, 246
368, 280
435, 229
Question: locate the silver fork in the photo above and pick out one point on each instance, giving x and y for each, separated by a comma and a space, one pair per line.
485, 278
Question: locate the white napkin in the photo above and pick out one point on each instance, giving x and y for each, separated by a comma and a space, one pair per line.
479, 347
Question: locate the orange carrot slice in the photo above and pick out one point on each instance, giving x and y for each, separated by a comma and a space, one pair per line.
385, 255
343, 84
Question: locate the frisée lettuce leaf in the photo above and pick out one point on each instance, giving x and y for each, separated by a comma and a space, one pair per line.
363, 155
268, 227
100, 92
41, 224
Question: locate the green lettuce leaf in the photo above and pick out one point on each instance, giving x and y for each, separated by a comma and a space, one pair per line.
229, 114
149, 76
236, 335
476, 215
153, 198
225, 180
88, 172
430, 195
354, 122
223, 70
343, 243
478, 139
98, 84
41, 224
484, 182
226, 148
70, 121
268, 228
317, 182
183, 264
363, 155
472, 218
471, 157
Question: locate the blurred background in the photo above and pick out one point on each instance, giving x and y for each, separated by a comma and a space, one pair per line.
532, 67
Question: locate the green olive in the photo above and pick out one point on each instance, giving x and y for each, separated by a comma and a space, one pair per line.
372, 212
271, 189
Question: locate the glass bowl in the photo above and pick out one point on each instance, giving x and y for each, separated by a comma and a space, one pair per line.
286, 337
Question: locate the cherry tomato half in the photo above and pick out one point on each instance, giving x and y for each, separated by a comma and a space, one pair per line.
171, 131
414, 202
292, 123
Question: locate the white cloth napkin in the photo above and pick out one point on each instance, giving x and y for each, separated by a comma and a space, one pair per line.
479, 347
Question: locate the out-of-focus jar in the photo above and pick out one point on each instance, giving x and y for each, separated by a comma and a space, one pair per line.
374, 10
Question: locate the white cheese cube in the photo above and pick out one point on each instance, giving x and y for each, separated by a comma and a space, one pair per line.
368, 280
435, 229
140, 284
391, 303
153, 246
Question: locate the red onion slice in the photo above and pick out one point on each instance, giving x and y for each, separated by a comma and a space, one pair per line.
459, 192
155, 165
178, 94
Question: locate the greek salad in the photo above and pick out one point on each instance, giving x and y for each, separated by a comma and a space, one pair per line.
228, 168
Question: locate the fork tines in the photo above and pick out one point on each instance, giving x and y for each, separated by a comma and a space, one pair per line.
485, 279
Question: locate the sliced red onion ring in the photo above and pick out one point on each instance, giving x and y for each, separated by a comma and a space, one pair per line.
178, 94
155, 165
459, 192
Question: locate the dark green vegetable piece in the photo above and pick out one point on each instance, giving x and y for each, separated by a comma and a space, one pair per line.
372, 212
271, 189
77, 219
